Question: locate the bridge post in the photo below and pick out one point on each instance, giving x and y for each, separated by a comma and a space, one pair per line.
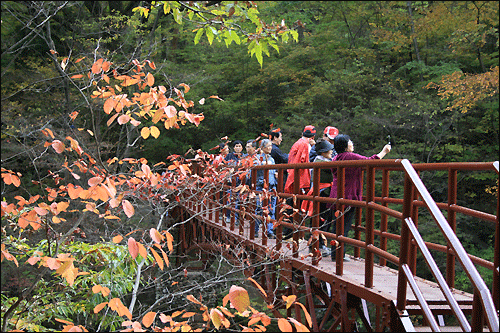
315, 217
296, 217
370, 216
339, 223
412, 255
452, 221
405, 243
496, 281
383, 218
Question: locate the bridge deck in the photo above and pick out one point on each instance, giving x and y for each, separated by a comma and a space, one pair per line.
385, 279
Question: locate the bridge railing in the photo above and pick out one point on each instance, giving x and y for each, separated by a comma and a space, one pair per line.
408, 213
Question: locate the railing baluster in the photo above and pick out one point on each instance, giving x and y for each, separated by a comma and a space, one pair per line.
370, 217
452, 221
315, 217
405, 244
383, 217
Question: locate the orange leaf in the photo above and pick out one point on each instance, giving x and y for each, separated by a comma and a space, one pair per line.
164, 255
186, 87
128, 208
56, 219
170, 111
158, 115
155, 132
47, 132
58, 146
109, 105
239, 299
74, 191
170, 241
123, 119
193, 299
188, 314
148, 318
117, 239
176, 313
150, 80
110, 120
298, 325
97, 66
306, 313
27, 218
117, 305
62, 206
99, 307
142, 250
151, 64
216, 317
8, 256
100, 289
258, 286
77, 76
63, 321
52, 263
33, 260
284, 325
289, 300
133, 248
157, 258
145, 132
105, 66
156, 236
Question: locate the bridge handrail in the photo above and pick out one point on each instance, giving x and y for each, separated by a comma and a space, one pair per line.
420, 299
437, 275
482, 290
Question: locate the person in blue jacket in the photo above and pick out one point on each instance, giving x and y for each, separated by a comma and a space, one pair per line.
265, 158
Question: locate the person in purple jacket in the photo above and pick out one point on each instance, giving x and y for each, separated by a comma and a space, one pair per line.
352, 188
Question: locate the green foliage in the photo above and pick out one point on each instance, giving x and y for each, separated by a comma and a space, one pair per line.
106, 264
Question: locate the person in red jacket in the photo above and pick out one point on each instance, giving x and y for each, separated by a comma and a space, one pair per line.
299, 153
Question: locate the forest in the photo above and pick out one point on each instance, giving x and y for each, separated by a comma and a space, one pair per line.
102, 97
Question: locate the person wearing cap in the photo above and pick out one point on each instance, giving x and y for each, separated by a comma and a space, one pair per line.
299, 153
325, 150
329, 134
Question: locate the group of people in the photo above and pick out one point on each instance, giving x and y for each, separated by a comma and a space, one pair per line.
332, 146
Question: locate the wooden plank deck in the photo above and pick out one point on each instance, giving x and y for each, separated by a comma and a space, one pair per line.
385, 279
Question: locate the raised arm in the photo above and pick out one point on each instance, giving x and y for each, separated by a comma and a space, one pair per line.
385, 150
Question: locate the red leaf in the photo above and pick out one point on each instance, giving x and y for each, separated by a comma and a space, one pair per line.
133, 248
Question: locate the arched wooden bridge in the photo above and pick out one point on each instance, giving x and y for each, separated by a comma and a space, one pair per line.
375, 290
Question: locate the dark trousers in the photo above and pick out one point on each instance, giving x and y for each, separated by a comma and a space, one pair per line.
349, 213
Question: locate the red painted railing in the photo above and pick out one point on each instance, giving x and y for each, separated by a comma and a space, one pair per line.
415, 196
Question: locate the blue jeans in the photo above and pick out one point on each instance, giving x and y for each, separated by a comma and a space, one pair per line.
272, 211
